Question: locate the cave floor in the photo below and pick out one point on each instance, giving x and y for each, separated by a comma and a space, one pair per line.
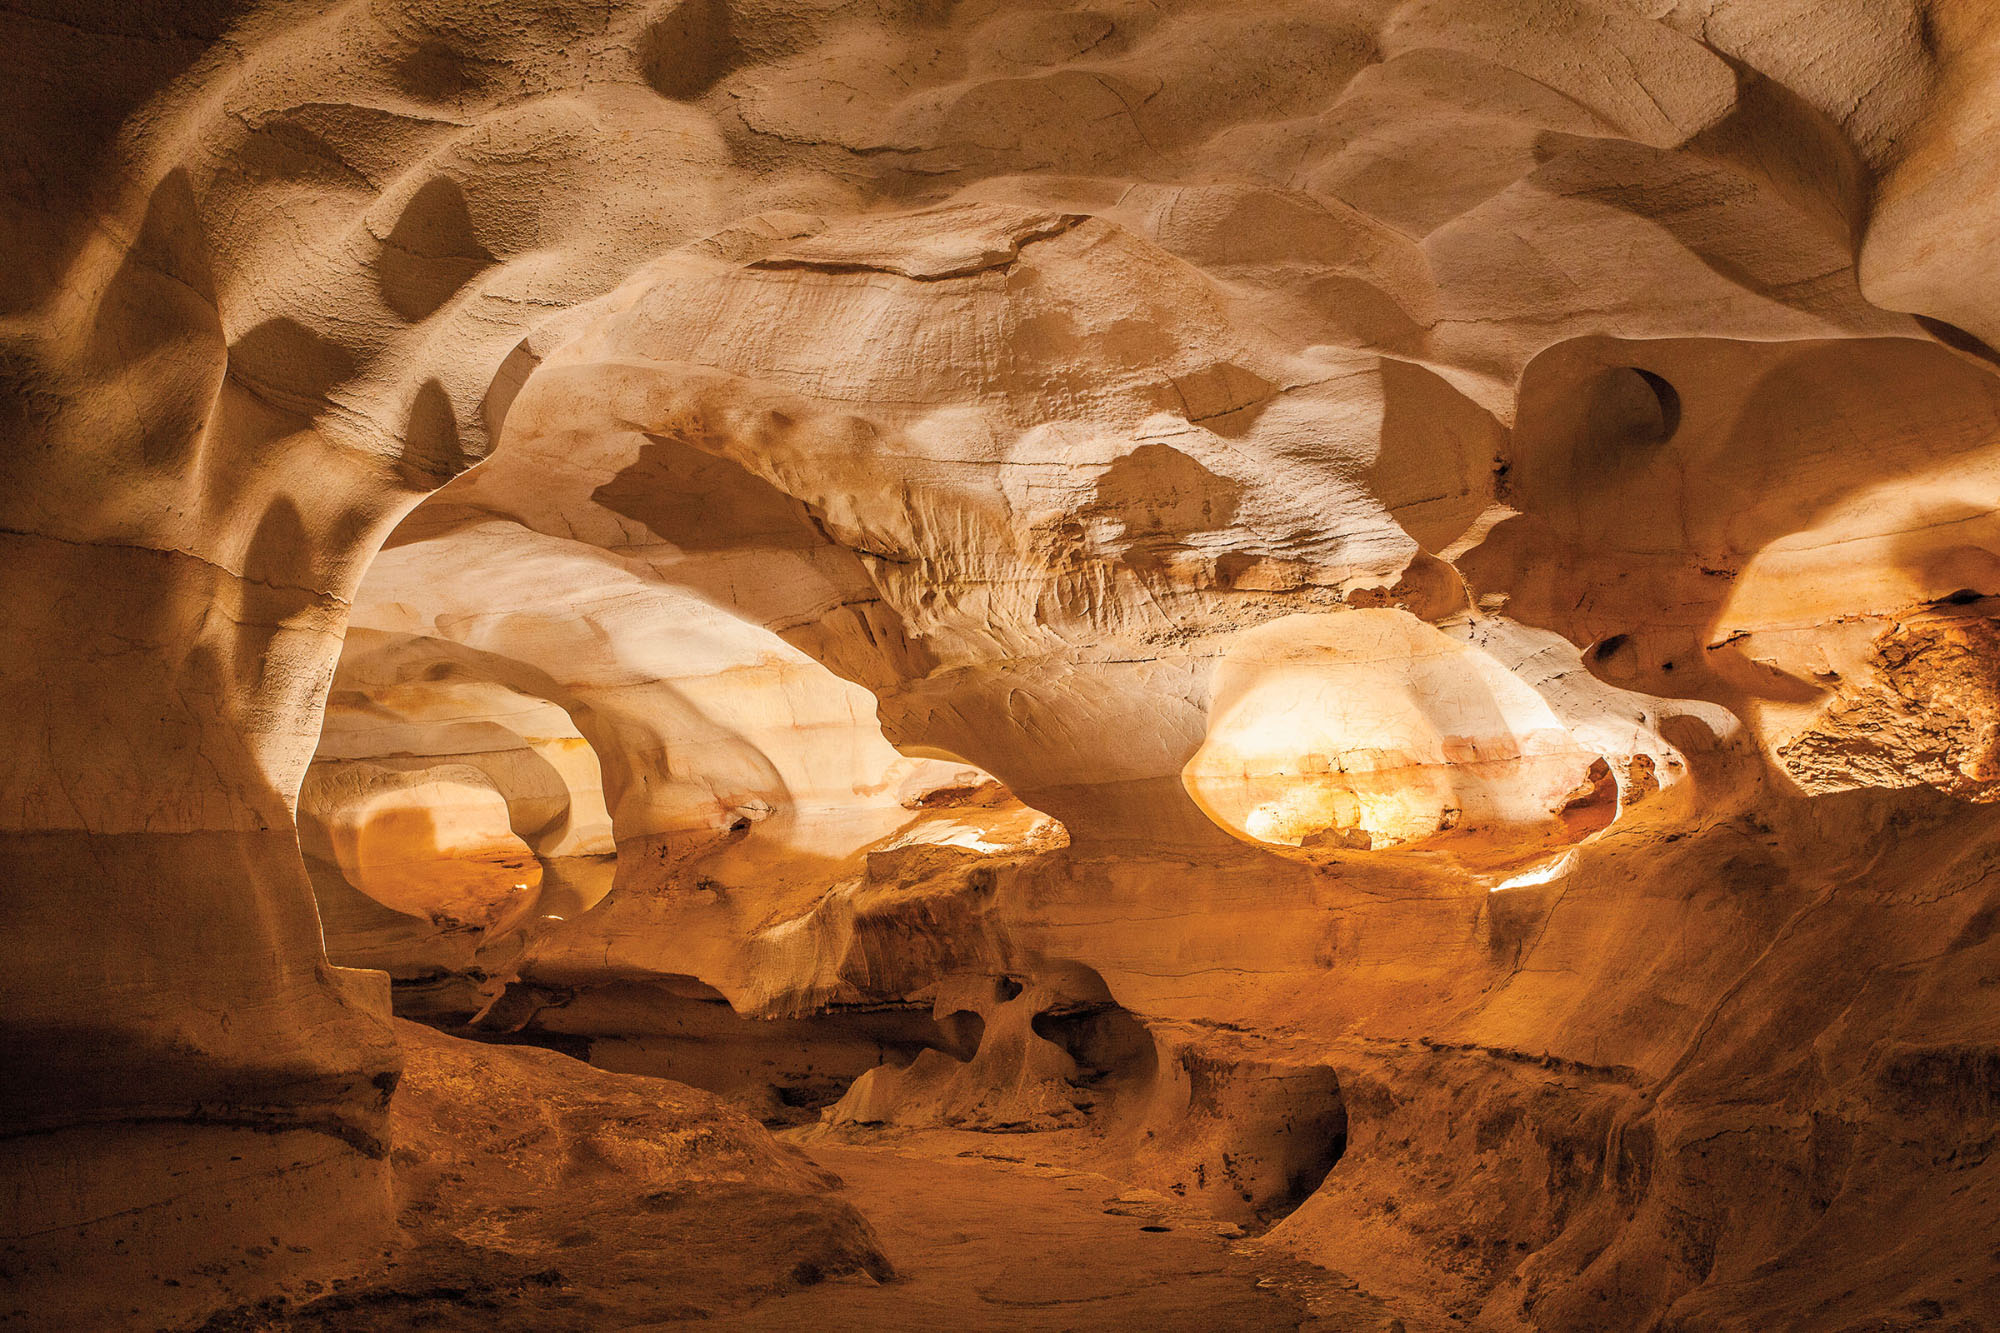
982, 1242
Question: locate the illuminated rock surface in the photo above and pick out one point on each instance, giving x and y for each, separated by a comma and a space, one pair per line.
1374, 620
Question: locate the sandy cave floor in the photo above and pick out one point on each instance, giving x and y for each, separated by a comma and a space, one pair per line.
985, 1237
539, 1195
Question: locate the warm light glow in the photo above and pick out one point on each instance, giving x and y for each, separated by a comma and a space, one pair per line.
1372, 729
1540, 875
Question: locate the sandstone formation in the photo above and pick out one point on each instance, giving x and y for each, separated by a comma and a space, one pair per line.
1378, 619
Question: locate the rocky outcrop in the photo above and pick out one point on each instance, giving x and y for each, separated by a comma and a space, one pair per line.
537, 1193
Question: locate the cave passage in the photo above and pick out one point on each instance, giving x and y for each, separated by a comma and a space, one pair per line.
873, 664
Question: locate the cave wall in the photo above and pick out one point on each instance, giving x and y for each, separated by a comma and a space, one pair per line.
894, 397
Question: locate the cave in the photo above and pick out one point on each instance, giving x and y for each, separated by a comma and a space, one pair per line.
1000, 664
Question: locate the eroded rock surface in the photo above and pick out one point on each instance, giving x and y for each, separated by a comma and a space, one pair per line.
535, 1193
1381, 613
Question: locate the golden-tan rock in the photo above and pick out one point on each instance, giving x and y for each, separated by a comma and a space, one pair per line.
1375, 617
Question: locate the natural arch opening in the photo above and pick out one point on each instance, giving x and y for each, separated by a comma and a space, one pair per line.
1371, 731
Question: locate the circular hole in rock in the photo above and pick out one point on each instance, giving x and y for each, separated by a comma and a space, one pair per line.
1615, 659
1630, 408
1108, 1044
689, 49
1156, 1228
962, 1033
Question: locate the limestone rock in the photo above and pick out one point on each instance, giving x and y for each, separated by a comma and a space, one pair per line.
1417, 570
